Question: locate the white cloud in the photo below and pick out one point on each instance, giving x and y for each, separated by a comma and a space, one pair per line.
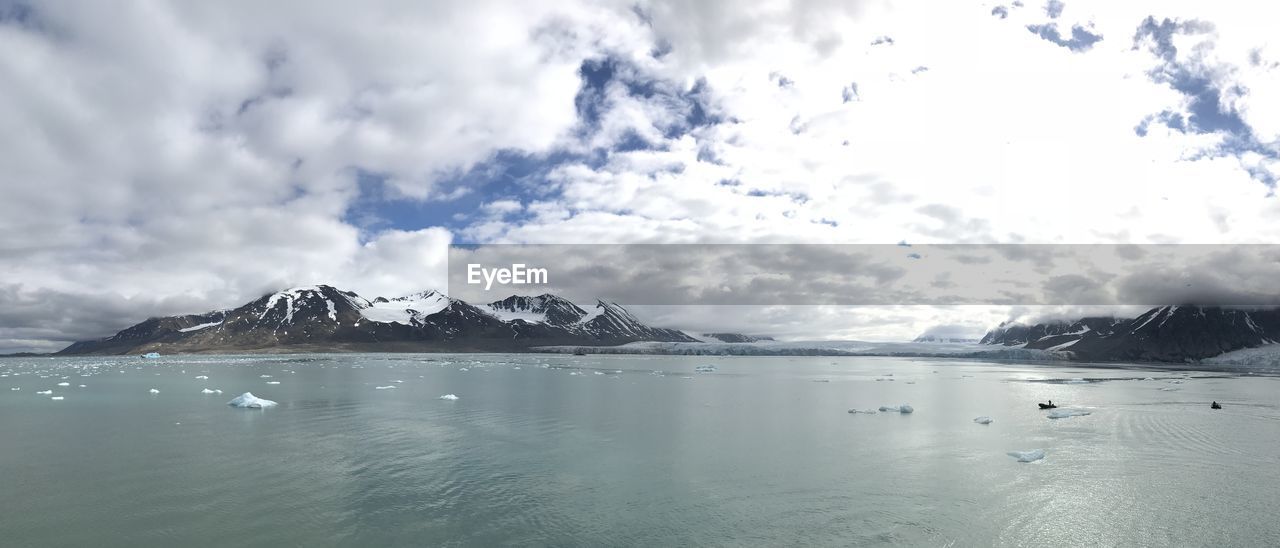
154, 150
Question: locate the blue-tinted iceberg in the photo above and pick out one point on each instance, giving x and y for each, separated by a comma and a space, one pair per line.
1027, 456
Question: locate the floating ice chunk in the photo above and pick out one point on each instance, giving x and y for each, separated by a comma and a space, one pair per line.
1027, 456
463, 369
64, 384
1077, 380
249, 401
1149, 379
1067, 413
387, 387
983, 420
82, 386
449, 397
208, 391
862, 411
1176, 381
15, 388
44, 392
273, 382
264, 376
202, 377
154, 391
597, 372
398, 382
1169, 389
56, 398
705, 369
904, 409
151, 355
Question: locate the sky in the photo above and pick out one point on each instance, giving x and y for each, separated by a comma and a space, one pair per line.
175, 157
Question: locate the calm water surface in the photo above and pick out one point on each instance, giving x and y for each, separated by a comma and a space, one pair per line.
629, 450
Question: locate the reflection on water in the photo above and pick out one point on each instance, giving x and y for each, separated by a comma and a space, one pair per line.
623, 450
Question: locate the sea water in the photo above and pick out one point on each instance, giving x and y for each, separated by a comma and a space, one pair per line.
630, 450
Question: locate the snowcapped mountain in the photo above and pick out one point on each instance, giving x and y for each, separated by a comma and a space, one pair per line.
1165, 334
322, 317
734, 338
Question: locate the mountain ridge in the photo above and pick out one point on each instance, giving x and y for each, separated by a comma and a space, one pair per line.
322, 317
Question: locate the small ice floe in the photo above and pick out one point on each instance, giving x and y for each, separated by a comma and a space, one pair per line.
463, 369
57, 398
1027, 456
154, 391
597, 372
202, 377
1149, 379
208, 391
705, 369
15, 388
572, 373
904, 409
273, 382
1067, 413
398, 382
516, 367
449, 397
983, 420
64, 384
1076, 380
862, 411
264, 376
44, 392
249, 401
82, 386
387, 387
1169, 389
151, 355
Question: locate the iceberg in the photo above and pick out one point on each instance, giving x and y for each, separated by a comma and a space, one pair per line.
44, 392
449, 397
208, 391
151, 355
154, 391
860, 411
15, 388
904, 409
249, 401
1027, 456
983, 420
202, 377
387, 387
273, 382
57, 398
64, 384
1068, 413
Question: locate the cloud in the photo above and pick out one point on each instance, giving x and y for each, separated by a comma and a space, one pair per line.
268, 146
1081, 38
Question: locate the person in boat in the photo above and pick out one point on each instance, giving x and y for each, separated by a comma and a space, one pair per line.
1215, 406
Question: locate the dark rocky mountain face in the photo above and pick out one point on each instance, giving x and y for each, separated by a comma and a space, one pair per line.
550, 308
735, 337
323, 318
1165, 334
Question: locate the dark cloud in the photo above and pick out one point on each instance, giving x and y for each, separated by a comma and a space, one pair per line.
1053, 8
850, 93
1080, 41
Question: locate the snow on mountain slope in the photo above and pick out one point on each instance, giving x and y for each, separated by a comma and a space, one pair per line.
404, 310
